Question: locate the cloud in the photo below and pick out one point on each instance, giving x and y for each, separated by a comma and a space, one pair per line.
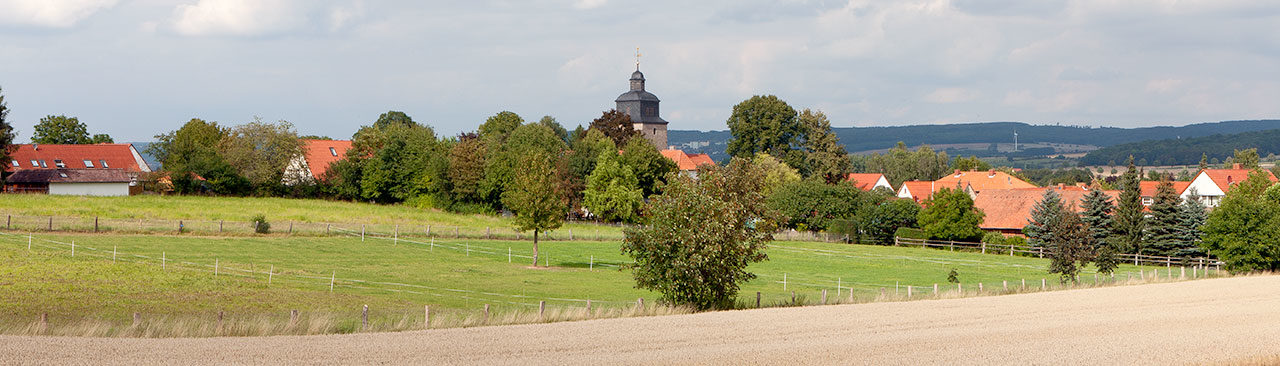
589, 4
49, 13
250, 18
951, 95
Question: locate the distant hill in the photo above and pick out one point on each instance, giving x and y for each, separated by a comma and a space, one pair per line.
863, 139
1186, 151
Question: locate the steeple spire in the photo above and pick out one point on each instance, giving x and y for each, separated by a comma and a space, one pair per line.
637, 58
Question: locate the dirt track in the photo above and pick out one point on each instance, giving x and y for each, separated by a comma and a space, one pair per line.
1206, 321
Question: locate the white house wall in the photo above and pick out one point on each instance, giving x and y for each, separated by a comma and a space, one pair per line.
90, 189
1209, 192
883, 183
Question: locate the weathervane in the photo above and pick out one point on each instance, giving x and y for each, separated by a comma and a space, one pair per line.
637, 58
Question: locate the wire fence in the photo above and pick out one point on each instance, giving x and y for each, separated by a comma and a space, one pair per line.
302, 277
1041, 252
28, 223
601, 231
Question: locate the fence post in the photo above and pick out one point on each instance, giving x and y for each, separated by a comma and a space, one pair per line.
1043, 284
362, 233
95, 224
326, 229
588, 308
1041, 250
1024, 284
570, 234
426, 316
215, 267
592, 265
395, 235
952, 244
1182, 269
44, 322
271, 273
220, 226
542, 309
137, 319
984, 248
838, 287
960, 288
219, 322
908, 291
29, 242
1006, 284
487, 233
824, 296
979, 287
784, 282
73, 248
364, 318
793, 296
333, 277
455, 232
935, 289
8, 222
757, 299
509, 256
290, 227
163, 259
50, 223
293, 317
113, 254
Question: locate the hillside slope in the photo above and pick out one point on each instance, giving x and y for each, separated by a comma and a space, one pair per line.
858, 139
1186, 151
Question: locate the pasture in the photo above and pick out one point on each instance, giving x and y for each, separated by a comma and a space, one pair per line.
187, 276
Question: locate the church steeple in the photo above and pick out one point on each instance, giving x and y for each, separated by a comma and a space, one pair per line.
642, 107
637, 81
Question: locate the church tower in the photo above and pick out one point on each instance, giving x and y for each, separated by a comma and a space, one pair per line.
642, 107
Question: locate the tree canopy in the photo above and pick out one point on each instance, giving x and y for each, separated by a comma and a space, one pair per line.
1244, 230
615, 125
950, 215
700, 236
61, 129
535, 197
765, 124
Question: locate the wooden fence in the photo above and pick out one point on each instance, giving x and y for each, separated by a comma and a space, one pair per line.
1041, 252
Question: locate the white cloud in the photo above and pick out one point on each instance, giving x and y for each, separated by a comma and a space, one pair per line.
239, 17
589, 4
49, 13
951, 95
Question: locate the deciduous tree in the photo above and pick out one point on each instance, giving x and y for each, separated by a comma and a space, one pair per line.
950, 215
615, 125
1244, 230
261, 150
535, 197
61, 130
650, 167
765, 124
1070, 242
825, 156
700, 236
613, 192
6, 135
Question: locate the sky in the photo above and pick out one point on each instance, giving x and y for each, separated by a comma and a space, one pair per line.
134, 69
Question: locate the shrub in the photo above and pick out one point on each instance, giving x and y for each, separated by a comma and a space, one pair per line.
910, 233
260, 224
993, 237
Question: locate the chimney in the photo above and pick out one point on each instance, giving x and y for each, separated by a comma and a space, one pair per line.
1061, 186
991, 173
35, 147
1235, 166
957, 172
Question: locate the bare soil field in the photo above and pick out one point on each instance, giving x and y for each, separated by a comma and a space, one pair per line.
1214, 321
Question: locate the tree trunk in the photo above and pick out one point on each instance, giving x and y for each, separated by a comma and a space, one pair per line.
535, 248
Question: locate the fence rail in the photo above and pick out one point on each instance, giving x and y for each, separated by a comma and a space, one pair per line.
986, 248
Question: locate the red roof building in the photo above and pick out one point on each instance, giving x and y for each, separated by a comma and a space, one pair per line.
868, 181
316, 157
1009, 210
1213, 184
688, 163
95, 156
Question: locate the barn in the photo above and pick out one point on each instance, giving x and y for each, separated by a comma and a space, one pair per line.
76, 182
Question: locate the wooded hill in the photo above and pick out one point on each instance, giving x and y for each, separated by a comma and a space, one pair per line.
858, 139
1186, 151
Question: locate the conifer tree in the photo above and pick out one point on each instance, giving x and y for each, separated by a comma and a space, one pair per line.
1098, 210
1163, 235
1070, 241
1193, 216
1204, 162
1128, 223
1044, 216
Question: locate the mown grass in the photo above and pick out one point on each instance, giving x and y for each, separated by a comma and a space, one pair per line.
457, 278
205, 213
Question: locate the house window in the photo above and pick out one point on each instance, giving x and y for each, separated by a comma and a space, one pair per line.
61, 174
1147, 201
44, 164
58, 163
104, 164
35, 164
88, 163
15, 163
333, 151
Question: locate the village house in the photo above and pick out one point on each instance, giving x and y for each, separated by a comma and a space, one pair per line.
1009, 210
97, 169
1213, 184
688, 164
972, 182
868, 181
315, 159
1148, 190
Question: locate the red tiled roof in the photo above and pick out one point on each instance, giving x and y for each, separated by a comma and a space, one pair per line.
320, 153
688, 161
920, 189
864, 181
1011, 208
1148, 188
70, 176
982, 180
116, 156
1225, 178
